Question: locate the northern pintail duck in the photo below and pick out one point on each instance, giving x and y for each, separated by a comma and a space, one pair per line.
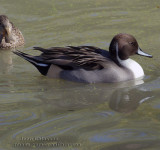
90, 64
10, 36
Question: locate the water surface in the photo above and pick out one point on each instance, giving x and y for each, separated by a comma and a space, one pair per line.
38, 112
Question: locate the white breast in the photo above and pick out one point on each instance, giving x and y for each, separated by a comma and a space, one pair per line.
133, 66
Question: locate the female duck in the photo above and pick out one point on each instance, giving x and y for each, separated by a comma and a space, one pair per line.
10, 36
90, 64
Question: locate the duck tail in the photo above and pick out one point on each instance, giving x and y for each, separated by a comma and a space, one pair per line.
39, 48
35, 60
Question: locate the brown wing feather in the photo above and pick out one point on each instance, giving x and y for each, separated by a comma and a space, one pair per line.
87, 57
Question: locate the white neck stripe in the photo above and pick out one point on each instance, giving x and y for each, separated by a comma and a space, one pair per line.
130, 64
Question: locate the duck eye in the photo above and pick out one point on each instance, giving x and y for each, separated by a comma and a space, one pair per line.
132, 43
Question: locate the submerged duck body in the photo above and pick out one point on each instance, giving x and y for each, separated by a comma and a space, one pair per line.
90, 64
10, 36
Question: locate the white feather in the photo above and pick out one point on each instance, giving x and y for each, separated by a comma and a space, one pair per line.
39, 64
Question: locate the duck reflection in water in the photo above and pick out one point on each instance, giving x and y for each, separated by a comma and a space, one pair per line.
127, 100
5, 61
64, 95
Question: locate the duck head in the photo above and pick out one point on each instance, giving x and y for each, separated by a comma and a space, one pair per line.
6, 29
123, 46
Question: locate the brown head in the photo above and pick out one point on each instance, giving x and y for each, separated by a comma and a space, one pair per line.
123, 46
6, 29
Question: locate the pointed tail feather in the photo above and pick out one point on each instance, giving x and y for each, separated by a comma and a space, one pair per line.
37, 62
40, 49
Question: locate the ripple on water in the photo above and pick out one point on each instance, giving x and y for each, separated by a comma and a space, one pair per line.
116, 135
134, 145
57, 127
13, 117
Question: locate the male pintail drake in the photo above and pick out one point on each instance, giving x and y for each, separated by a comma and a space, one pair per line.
10, 36
90, 64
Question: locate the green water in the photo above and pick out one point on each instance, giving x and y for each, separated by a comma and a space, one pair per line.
38, 112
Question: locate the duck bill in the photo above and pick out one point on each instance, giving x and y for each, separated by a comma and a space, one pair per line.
8, 35
140, 52
2, 34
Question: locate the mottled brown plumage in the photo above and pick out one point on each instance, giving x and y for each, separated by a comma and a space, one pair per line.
10, 36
